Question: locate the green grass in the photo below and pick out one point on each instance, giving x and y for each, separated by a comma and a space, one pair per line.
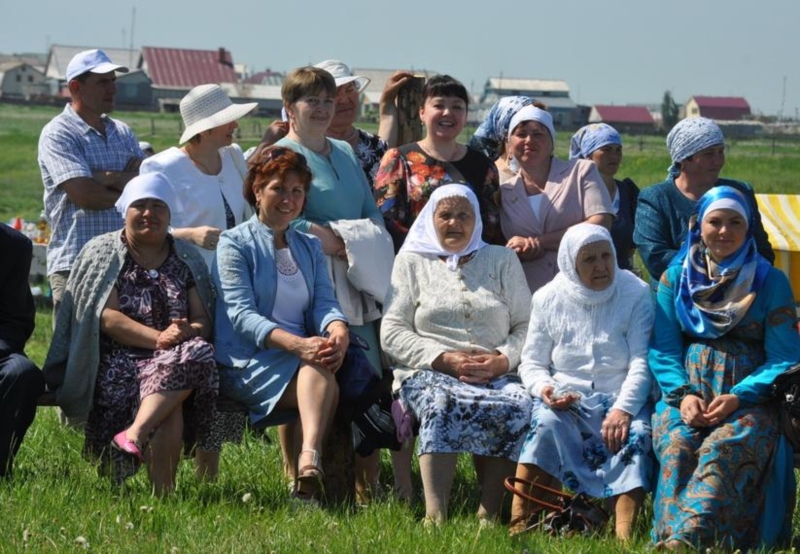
57, 497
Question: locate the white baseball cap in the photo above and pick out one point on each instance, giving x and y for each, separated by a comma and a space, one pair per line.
95, 61
343, 74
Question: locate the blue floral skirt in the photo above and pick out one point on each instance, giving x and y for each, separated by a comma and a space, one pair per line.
487, 420
568, 445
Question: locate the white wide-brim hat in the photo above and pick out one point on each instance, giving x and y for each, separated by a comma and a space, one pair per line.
343, 74
206, 107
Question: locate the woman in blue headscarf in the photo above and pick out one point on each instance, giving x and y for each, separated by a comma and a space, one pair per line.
602, 144
725, 327
491, 135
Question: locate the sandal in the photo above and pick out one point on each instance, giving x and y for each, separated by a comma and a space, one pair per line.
122, 443
309, 477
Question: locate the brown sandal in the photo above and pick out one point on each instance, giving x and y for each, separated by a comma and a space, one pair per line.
309, 484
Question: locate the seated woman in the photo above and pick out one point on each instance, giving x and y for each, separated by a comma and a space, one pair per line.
280, 335
585, 363
129, 348
724, 329
546, 196
455, 320
602, 144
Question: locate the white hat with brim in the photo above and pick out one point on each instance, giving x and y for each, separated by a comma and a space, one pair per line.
94, 61
343, 74
206, 107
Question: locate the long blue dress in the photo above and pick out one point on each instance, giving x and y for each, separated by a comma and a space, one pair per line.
730, 484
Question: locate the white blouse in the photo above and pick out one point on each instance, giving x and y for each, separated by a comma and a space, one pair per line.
601, 348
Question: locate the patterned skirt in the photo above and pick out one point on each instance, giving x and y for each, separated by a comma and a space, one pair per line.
568, 445
487, 420
712, 482
124, 379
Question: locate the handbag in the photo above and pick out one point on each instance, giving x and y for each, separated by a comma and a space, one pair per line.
567, 515
356, 376
786, 390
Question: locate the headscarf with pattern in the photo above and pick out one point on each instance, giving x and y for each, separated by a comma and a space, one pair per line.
713, 296
494, 129
591, 137
690, 136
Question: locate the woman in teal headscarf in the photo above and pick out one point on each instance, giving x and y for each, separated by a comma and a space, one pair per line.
725, 327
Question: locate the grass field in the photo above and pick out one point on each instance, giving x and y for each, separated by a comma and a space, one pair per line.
56, 502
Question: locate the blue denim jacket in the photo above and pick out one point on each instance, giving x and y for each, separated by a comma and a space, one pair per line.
246, 278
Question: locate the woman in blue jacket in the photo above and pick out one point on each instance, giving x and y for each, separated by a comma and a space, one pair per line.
279, 334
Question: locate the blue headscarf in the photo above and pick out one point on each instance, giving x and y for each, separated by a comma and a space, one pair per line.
712, 297
591, 137
494, 129
690, 136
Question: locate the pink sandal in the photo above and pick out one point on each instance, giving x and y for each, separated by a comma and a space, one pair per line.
122, 443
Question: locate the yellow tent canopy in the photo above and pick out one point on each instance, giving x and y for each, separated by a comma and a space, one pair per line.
780, 215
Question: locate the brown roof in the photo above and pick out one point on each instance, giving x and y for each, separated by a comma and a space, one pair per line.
185, 68
624, 114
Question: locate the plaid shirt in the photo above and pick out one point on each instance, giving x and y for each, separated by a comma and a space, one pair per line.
70, 148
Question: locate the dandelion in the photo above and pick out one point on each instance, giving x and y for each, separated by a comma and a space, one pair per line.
246, 497
26, 534
129, 526
119, 519
82, 542
146, 508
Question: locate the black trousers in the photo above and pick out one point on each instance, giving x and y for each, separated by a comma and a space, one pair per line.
21, 383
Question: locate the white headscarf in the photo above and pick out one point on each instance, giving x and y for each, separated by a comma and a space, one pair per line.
148, 185
568, 279
422, 237
530, 113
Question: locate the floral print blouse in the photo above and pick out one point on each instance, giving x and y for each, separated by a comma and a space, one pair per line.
408, 176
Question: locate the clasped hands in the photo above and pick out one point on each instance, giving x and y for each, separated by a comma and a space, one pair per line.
696, 413
179, 330
527, 248
328, 352
472, 366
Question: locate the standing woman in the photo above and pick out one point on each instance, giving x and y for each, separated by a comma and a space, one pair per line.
339, 191
207, 172
725, 328
491, 136
547, 196
602, 144
408, 175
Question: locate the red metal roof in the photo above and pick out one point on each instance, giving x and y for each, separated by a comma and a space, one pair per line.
184, 68
624, 114
722, 107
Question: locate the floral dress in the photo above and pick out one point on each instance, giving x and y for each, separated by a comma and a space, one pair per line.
127, 374
369, 150
408, 176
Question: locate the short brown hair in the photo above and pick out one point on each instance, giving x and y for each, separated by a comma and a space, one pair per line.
274, 161
305, 81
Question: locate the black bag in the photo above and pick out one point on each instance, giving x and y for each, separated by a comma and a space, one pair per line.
572, 514
356, 376
786, 389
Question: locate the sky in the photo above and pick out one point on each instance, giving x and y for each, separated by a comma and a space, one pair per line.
608, 51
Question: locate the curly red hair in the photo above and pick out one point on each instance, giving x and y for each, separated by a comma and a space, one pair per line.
274, 161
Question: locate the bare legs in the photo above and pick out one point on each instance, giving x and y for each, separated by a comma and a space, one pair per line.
521, 509
158, 430
626, 508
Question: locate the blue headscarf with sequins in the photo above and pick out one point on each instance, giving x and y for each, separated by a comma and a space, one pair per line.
494, 129
690, 136
591, 137
712, 296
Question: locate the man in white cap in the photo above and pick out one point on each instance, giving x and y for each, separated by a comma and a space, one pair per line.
86, 159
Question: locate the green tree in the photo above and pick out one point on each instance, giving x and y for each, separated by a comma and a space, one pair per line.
669, 111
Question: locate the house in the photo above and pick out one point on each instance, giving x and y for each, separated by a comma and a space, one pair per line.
175, 71
134, 90
22, 81
625, 119
266, 77
59, 57
725, 108
268, 97
553, 93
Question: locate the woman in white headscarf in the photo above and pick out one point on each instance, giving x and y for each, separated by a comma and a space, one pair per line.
130, 348
585, 364
546, 196
455, 319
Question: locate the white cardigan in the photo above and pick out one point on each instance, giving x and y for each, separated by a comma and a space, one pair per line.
600, 348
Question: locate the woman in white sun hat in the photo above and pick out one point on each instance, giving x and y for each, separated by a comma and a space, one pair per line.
207, 172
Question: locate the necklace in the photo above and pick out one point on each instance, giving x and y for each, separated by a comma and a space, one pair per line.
434, 153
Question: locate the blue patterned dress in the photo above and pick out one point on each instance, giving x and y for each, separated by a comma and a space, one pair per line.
727, 485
